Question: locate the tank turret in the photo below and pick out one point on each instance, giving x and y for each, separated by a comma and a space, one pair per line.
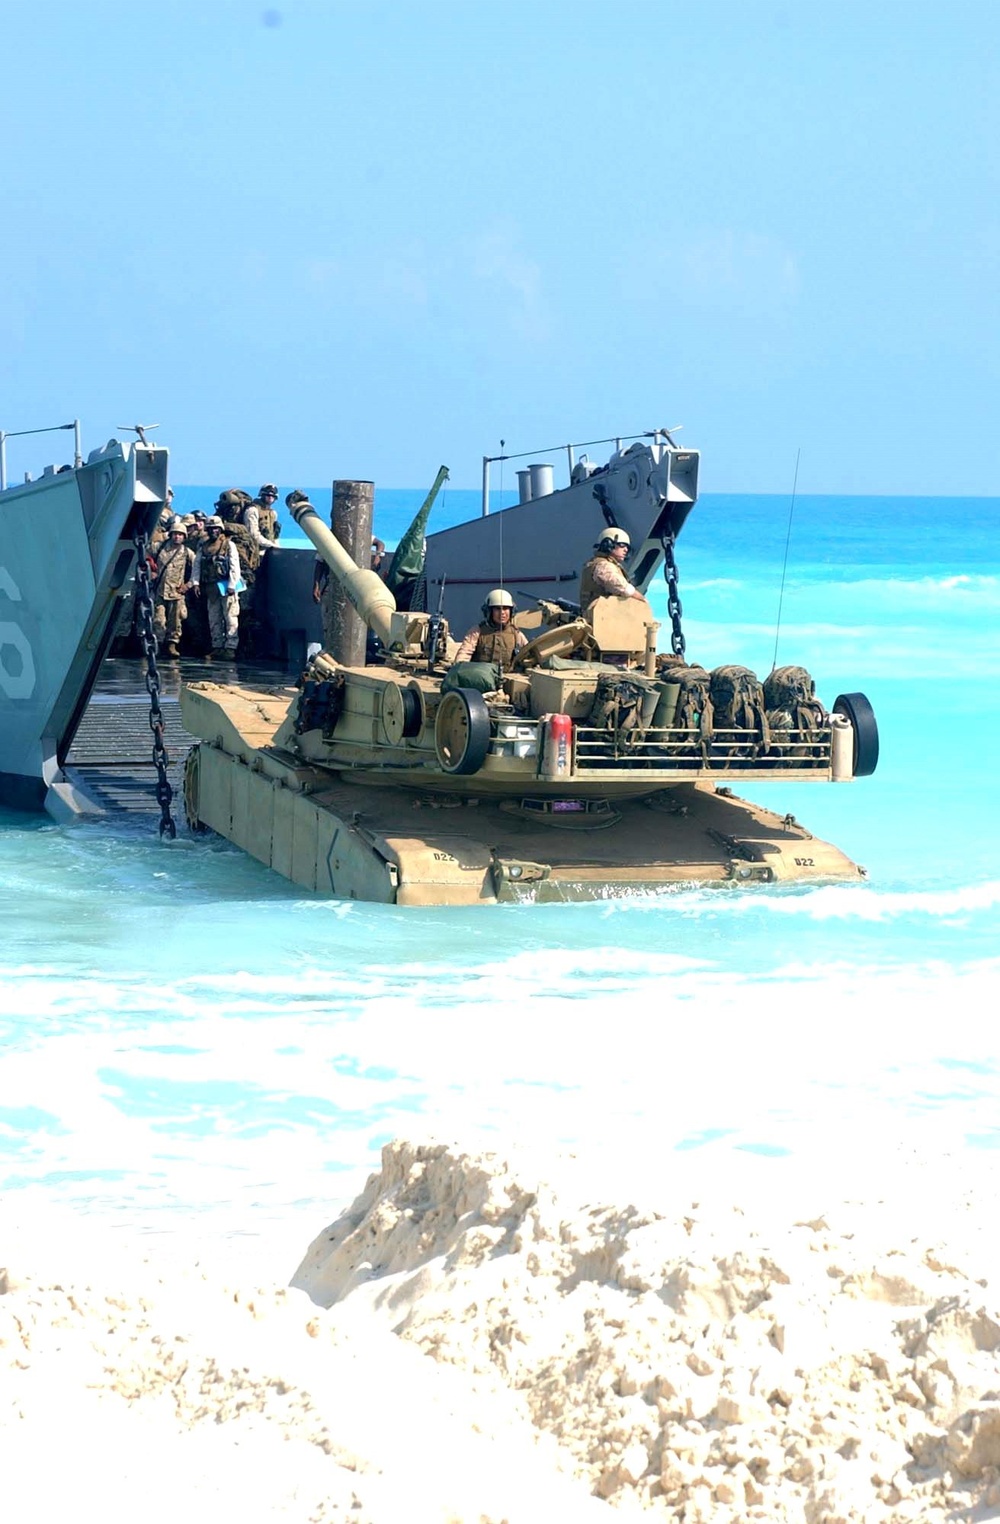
591, 765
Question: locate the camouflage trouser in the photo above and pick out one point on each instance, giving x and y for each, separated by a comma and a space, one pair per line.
168, 616
223, 619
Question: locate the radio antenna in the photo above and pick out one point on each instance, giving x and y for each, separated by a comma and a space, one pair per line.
784, 564
503, 444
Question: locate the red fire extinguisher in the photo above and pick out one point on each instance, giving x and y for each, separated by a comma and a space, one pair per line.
557, 751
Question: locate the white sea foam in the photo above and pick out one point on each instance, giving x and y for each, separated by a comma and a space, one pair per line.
233, 1098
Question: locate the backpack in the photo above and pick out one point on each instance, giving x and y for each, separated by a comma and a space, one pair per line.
739, 705
792, 705
232, 503
247, 549
694, 710
624, 703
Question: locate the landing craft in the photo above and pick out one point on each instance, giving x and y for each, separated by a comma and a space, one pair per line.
595, 767
67, 562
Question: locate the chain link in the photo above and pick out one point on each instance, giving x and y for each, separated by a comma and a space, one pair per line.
674, 608
147, 638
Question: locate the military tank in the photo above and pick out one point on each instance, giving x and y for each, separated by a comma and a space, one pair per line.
595, 767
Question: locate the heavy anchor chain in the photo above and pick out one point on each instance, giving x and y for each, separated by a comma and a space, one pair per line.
147, 637
674, 608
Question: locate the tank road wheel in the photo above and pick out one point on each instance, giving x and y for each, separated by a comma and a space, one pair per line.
856, 708
462, 731
401, 714
191, 767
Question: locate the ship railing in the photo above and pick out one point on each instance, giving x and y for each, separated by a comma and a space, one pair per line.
658, 436
684, 749
54, 428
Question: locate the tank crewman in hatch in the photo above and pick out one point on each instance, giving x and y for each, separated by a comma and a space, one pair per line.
172, 579
496, 639
215, 577
602, 577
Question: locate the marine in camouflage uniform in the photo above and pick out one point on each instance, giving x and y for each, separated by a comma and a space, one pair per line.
602, 577
174, 562
217, 563
236, 508
495, 639
195, 640
162, 526
261, 516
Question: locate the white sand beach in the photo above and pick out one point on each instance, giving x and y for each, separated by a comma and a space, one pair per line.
491, 1337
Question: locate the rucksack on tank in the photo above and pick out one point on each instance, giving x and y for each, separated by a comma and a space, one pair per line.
792, 706
624, 702
738, 704
693, 709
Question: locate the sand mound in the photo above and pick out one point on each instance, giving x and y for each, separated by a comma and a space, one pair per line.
675, 1353
178, 1397
704, 1361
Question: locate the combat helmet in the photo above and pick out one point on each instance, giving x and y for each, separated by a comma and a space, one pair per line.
498, 598
611, 538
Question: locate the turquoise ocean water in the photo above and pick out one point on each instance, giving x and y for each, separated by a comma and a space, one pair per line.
187, 1039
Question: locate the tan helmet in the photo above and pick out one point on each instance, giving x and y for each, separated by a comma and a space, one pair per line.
611, 537
498, 598
214, 522
178, 526
268, 490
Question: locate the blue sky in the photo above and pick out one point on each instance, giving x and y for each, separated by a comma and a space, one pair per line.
324, 239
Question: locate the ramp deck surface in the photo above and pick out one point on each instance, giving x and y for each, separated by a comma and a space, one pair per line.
112, 752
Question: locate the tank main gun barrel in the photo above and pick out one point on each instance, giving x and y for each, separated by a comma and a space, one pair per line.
365, 588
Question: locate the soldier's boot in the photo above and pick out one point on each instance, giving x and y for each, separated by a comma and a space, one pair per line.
227, 655
171, 652
216, 654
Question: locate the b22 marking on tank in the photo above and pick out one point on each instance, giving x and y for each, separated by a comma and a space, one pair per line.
805, 862
19, 684
443, 857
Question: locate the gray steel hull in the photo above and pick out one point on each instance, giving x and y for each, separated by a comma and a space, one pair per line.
66, 560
